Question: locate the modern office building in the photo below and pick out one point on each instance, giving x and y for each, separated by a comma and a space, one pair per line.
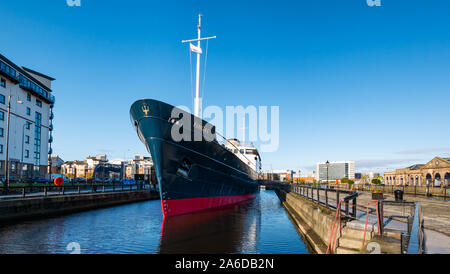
27, 96
336, 170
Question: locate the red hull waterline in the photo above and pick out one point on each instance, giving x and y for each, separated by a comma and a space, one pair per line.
184, 206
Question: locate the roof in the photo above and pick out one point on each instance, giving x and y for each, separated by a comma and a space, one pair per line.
38, 73
414, 167
21, 70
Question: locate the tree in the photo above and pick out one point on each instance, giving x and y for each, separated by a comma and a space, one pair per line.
376, 181
344, 180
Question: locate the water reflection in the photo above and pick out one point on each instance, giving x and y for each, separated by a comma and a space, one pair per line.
258, 226
233, 229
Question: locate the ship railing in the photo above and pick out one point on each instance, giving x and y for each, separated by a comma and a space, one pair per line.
224, 141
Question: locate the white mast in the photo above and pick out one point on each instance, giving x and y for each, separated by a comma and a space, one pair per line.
198, 50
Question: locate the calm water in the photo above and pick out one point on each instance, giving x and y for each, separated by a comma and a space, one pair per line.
258, 226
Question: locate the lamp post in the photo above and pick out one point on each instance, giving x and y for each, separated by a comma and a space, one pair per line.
327, 163
5, 189
23, 140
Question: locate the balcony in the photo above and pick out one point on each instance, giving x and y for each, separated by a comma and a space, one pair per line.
9, 72
50, 140
28, 85
50, 127
51, 116
50, 151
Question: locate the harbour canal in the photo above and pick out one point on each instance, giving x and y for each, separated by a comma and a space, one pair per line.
260, 226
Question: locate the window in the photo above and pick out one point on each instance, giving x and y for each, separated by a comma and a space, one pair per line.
1, 148
3, 83
38, 103
1, 131
28, 125
2, 115
28, 111
27, 139
27, 153
2, 98
28, 97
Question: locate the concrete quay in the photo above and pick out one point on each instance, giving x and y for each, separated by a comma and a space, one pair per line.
315, 222
45, 206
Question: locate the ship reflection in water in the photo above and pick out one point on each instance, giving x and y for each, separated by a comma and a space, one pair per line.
232, 229
257, 226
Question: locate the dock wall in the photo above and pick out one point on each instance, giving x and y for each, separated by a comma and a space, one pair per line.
315, 221
40, 207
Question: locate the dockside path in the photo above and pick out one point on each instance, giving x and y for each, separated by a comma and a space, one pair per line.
436, 214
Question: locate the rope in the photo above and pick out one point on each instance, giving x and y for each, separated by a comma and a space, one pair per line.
204, 71
190, 69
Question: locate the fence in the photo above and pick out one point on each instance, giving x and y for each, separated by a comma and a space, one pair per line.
312, 193
43, 191
411, 190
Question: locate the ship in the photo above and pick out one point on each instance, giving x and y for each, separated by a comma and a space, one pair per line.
194, 174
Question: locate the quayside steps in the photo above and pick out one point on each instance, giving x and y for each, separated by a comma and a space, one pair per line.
366, 230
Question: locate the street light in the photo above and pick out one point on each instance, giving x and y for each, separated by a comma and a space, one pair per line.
327, 163
5, 189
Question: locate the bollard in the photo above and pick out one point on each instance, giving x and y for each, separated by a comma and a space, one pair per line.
23, 192
79, 190
45, 190
62, 188
103, 190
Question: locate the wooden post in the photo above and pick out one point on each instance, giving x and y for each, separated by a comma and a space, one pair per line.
318, 195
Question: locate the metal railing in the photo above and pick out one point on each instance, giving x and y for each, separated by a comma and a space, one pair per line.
312, 193
411, 240
19, 192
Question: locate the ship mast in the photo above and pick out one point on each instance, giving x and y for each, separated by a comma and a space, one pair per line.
198, 50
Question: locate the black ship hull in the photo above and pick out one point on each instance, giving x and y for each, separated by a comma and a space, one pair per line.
192, 175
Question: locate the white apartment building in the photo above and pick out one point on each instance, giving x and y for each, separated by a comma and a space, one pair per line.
31, 103
335, 170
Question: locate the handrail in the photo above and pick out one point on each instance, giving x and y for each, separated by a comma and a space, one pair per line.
333, 233
311, 192
43, 191
367, 220
415, 245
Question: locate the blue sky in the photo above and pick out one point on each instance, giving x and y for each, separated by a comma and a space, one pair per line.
369, 84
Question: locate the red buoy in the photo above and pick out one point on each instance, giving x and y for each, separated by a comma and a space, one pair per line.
58, 181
